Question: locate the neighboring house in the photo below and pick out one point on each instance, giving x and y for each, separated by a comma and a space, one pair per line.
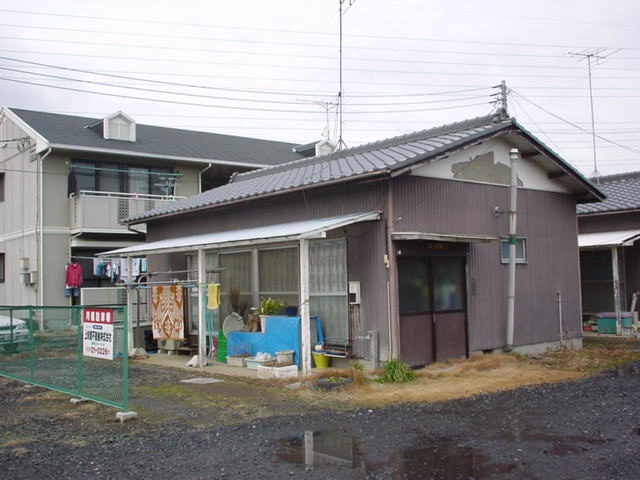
406, 237
67, 181
609, 247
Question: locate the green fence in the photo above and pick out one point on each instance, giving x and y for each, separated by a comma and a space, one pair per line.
81, 351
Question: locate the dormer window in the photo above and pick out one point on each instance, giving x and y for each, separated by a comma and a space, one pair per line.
119, 126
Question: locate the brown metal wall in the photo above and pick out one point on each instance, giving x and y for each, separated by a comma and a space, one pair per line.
548, 222
609, 222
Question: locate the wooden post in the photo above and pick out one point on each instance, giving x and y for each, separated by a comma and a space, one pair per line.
202, 346
616, 289
305, 327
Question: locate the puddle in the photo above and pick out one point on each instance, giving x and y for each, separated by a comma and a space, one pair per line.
201, 380
325, 447
439, 460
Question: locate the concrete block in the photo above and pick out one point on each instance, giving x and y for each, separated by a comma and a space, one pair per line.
124, 416
290, 371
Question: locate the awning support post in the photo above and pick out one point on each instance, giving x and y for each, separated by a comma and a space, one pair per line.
202, 346
129, 287
616, 289
305, 327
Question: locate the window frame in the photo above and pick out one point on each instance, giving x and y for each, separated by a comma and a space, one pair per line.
522, 259
2, 265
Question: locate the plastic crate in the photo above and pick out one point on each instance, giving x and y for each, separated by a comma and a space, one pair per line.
607, 321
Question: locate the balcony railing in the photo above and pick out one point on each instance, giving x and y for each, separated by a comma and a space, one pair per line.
102, 212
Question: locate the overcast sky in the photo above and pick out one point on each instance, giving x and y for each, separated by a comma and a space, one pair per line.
271, 69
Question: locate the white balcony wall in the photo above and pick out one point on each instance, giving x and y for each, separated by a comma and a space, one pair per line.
103, 211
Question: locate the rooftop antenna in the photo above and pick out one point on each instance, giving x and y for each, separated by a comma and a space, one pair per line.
340, 143
598, 55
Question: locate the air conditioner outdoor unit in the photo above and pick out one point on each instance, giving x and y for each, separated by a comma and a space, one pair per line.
168, 344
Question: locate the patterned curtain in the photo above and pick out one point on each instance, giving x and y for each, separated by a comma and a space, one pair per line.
167, 312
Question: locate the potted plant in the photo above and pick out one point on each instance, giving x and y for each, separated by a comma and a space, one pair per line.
268, 306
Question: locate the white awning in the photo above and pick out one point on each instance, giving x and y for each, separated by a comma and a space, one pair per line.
443, 237
621, 238
307, 229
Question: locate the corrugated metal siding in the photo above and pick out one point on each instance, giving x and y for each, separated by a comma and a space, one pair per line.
609, 222
366, 246
288, 208
547, 220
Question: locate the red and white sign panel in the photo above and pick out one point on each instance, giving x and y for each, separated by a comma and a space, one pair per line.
97, 330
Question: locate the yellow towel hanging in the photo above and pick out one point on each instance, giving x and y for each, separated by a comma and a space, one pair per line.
213, 296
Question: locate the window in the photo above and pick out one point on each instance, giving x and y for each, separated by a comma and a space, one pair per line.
328, 291
274, 272
1, 186
278, 274
521, 250
119, 129
119, 178
1, 267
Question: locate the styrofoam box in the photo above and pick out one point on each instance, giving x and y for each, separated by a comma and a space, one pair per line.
290, 371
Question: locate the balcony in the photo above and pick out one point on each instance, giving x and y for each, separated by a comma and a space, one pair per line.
101, 212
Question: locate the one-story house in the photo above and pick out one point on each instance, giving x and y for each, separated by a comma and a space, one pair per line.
609, 248
405, 240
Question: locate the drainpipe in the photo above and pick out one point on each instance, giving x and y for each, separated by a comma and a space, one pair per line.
200, 177
560, 317
40, 231
511, 280
392, 267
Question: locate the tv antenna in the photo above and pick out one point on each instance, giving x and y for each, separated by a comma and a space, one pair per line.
598, 56
341, 143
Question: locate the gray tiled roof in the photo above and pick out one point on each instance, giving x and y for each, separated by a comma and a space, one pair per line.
379, 158
622, 191
70, 130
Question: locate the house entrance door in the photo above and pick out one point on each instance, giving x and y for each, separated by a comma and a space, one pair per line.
433, 315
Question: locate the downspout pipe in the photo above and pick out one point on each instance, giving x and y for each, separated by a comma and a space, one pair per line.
40, 227
200, 176
514, 154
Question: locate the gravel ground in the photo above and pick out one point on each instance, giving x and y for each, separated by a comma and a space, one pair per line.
239, 428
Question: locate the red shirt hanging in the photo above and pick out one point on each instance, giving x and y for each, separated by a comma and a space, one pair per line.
73, 275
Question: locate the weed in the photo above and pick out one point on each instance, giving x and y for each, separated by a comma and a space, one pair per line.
396, 372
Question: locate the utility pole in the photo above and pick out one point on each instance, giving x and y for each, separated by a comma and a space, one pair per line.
599, 56
501, 101
340, 143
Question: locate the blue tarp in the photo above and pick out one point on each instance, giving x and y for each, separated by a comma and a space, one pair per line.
281, 333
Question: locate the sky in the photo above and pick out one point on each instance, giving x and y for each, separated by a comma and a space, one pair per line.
282, 69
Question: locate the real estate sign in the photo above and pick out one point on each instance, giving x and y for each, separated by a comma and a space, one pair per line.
97, 329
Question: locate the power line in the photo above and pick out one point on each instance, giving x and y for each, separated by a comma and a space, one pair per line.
637, 152
230, 107
298, 32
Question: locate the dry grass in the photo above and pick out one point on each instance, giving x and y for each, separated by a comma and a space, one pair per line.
483, 374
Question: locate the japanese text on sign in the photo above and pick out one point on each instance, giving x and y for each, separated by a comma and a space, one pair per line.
97, 338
